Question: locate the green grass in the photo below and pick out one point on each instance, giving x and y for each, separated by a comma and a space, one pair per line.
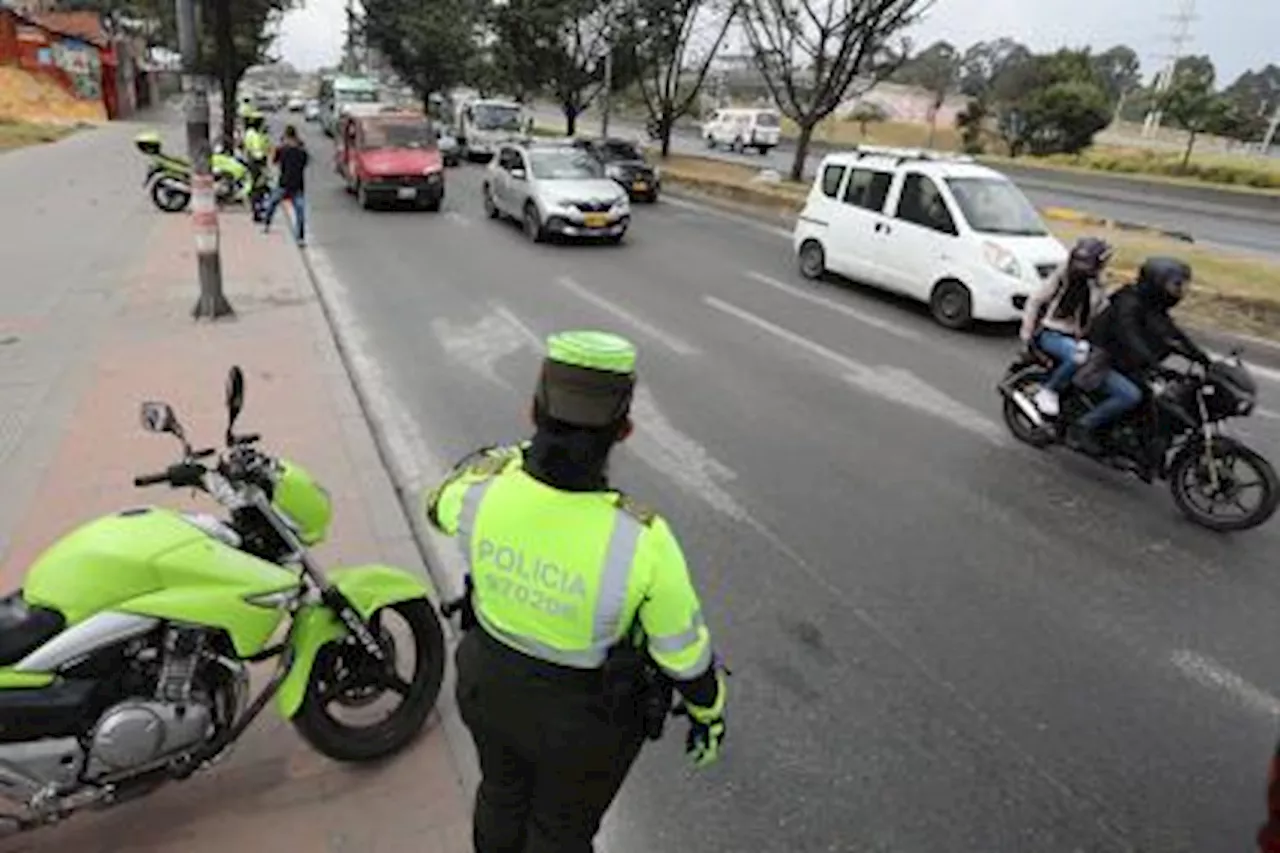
19, 134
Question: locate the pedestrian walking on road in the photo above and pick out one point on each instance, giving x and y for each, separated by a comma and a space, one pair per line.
291, 159
580, 618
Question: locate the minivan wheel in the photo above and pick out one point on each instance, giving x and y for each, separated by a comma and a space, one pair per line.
813, 260
952, 305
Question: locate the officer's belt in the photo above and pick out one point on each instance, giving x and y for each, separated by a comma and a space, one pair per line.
587, 678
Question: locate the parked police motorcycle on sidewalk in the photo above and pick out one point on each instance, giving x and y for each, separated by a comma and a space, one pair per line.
168, 179
1176, 434
124, 657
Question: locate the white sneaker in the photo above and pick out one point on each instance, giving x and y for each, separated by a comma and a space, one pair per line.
1046, 401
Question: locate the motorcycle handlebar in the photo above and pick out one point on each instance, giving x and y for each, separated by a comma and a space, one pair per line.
183, 474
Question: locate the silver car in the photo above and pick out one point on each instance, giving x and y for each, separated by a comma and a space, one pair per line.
555, 190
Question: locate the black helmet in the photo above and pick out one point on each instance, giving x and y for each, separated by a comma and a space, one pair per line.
1162, 280
1088, 256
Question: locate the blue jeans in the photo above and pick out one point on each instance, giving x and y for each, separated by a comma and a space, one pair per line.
299, 202
1122, 395
1063, 348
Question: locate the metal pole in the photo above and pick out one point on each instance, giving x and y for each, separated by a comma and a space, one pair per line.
608, 89
1271, 131
212, 304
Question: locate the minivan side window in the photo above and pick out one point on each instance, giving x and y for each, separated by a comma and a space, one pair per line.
868, 189
831, 177
923, 204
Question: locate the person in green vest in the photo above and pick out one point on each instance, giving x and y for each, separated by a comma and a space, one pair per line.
256, 145
580, 619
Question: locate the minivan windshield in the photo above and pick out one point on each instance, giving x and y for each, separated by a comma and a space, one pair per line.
496, 116
564, 164
996, 206
767, 120
401, 134
356, 96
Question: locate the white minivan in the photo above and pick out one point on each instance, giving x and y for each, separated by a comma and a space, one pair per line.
743, 128
936, 227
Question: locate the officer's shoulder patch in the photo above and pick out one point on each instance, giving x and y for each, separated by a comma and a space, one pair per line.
642, 513
491, 461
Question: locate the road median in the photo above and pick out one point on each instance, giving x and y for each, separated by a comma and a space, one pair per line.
1234, 293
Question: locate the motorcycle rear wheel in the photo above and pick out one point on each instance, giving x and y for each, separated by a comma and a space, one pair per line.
345, 674
1189, 483
1018, 423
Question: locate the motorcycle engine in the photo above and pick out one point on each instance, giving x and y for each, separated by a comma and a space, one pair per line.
138, 732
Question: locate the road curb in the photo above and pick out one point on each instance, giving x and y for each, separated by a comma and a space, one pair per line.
465, 763
1080, 217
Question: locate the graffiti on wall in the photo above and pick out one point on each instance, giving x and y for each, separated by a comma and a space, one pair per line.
82, 65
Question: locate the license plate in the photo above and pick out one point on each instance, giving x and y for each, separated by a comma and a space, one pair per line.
407, 192
639, 186
595, 220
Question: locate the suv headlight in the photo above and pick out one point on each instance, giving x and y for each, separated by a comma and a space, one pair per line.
621, 203
613, 171
1002, 259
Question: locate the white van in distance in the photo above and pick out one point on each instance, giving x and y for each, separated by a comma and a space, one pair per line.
939, 228
740, 129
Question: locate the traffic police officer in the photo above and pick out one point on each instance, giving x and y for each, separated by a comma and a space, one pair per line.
257, 151
571, 584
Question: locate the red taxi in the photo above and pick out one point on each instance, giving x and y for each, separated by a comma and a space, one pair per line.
391, 157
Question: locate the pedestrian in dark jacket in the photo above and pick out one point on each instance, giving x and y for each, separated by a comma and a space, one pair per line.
1135, 334
291, 159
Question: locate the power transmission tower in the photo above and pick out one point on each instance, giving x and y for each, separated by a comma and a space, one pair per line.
1178, 41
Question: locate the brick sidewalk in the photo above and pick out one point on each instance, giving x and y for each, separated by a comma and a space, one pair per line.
274, 793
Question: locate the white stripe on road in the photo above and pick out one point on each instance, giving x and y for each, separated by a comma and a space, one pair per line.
663, 447
457, 218
847, 310
774, 230
891, 383
479, 346
1209, 673
670, 341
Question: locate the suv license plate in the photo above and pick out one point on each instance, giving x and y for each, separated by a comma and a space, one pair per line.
407, 192
640, 186
595, 220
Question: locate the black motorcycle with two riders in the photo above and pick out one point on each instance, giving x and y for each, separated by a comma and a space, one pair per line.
1175, 434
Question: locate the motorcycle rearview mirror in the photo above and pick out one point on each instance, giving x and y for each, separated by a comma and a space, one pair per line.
235, 399
159, 417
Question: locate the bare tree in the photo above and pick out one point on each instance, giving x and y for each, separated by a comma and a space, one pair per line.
811, 53
674, 43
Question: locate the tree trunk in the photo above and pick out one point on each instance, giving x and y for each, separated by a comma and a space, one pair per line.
665, 129
802, 150
570, 121
933, 126
227, 76
1186, 155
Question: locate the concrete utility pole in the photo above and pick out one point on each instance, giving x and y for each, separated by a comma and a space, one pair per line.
350, 59
608, 89
212, 304
1181, 37
1271, 131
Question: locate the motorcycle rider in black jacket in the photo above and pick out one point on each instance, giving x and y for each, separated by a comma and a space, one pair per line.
1134, 335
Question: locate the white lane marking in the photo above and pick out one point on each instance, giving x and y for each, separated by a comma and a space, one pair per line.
663, 447
457, 218
480, 346
670, 341
1207, 672
1268, 414
668, 450
892, 383
848, 310
774, 230
1270, 374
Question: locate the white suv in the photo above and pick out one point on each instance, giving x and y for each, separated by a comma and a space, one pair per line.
936, 227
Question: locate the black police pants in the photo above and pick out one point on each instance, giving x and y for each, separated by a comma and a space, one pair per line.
551, 757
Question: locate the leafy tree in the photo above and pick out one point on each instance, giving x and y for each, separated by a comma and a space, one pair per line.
430, 44
986, 64
1193, 105
1254, 96
971, 122
673, 43
937, 70
1050, 103
866, 114
811, 52
1065, 117
559, 45
1119, 71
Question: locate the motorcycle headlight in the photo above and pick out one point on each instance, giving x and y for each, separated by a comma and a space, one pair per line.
1002, 259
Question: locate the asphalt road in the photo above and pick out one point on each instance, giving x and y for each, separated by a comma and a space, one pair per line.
940, 640
1209, 217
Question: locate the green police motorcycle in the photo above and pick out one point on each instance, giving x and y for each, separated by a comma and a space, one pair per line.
124, 657
168, 179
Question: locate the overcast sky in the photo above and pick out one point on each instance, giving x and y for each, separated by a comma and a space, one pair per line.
1238, 34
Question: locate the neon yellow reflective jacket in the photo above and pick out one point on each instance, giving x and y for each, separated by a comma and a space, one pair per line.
562, 576
256, 144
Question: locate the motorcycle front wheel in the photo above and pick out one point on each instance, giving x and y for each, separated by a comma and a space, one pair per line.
346, 679
169, 196
1023, 428
1245, 494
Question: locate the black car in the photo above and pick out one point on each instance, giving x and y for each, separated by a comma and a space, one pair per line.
625, 164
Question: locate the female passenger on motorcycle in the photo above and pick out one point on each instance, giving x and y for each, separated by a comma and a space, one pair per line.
1057, 317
